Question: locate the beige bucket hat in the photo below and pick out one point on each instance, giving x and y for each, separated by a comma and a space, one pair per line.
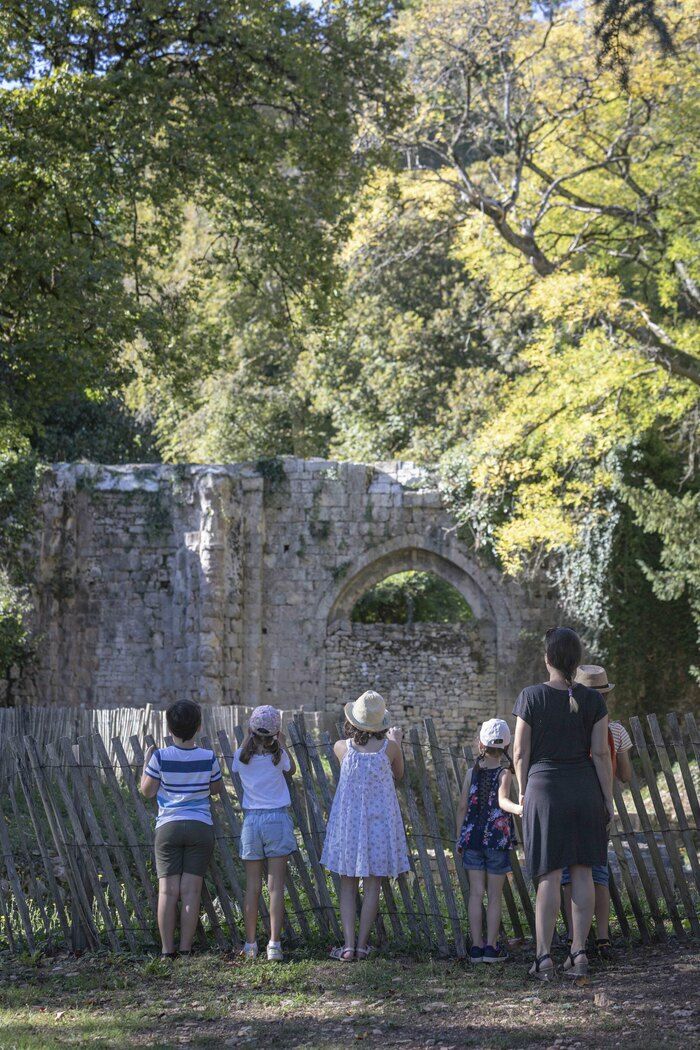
368, 712
594, 677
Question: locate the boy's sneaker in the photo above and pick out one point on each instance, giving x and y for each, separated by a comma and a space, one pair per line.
492, 955
274, 952
250, 950
476, 955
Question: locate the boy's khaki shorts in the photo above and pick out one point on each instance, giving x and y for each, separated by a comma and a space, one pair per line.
183, 847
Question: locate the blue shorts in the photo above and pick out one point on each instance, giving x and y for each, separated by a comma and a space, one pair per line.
493, 861
267, 833
601, 876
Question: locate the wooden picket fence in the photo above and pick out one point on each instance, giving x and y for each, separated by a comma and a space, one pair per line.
76, 839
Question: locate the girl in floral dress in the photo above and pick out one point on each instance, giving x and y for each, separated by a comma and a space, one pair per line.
365, 837
485, 835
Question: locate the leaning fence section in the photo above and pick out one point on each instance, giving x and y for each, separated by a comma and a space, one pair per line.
76, 839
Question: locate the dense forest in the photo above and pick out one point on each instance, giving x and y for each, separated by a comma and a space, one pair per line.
462, 232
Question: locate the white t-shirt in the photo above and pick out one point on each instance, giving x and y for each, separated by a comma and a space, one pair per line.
620, 736
264, 786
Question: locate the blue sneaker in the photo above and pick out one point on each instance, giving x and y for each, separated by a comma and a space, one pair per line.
492, 955
476, 955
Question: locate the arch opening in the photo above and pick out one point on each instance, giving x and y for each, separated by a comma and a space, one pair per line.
409, 597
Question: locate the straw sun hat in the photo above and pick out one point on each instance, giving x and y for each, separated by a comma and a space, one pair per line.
368, 712
594, 677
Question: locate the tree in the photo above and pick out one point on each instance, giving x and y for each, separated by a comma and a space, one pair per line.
112, 117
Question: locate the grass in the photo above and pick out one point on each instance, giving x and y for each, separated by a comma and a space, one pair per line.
218, 1001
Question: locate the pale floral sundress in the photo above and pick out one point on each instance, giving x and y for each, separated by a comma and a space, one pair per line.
365, 833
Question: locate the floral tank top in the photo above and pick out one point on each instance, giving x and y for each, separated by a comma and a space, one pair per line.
486, 825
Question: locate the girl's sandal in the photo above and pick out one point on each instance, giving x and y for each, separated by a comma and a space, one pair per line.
364, 953
572, 968
541, 973
344, 954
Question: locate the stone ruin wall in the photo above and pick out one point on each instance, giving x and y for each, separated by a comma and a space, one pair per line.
235, 584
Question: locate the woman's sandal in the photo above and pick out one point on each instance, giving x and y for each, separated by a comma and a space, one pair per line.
343, 954
168, 955
540, 974
363, 953
571, 969
604, 949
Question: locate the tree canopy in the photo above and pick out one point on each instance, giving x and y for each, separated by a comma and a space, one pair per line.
463, 232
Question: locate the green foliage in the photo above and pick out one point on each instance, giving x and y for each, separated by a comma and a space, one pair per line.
18, 480
112, 119
412, 597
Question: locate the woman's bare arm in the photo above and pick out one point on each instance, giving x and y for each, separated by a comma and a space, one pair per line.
521, 754
600, 753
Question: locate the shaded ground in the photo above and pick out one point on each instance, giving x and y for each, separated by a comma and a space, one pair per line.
649, 997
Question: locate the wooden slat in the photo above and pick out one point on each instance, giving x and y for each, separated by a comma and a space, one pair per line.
642, 870
628, 882
122, 853
674, 732
98, 842
35, 892
23, 776
684, 830
13, 879
81, 906
661, 816
693, 734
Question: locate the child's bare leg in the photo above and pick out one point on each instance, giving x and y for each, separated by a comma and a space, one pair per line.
602, 912
582, 904
191, 896
566, 890
168, 896
276, 876
348, 898
494, 888
477, 888
371, 886
251, 900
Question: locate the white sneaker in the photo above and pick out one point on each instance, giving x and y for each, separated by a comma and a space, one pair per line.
274, 952
250, 950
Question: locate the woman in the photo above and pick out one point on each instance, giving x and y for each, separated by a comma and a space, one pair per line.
563, 766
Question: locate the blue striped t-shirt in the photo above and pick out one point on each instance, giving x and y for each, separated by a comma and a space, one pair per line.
185, 775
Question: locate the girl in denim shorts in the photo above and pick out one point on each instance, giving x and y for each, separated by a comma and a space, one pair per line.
268, 831
485, 835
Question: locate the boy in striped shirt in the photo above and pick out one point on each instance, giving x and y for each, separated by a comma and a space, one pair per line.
182, 777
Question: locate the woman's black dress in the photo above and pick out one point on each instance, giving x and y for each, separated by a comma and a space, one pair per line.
564, 819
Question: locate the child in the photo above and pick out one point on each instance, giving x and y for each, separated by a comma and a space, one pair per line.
365, 837
268, 831
595, 677
183, 776
485, 835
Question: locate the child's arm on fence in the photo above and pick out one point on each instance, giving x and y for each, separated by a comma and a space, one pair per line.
624, 766
283, 744
521, 753
462, 807
504, 800
395, 752
150, 778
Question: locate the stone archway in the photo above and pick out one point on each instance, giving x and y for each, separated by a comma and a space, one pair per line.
448, 671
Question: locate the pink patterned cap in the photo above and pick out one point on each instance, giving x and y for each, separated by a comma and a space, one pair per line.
266, 719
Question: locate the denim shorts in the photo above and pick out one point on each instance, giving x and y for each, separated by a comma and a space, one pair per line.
493, 861
267, 833
601, 876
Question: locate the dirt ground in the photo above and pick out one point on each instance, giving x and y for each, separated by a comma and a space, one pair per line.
648, 997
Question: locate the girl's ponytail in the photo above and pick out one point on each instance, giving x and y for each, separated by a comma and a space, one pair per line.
511, 767
261, 743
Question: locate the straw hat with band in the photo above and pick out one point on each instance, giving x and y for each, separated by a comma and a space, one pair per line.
593, 677
368, 713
